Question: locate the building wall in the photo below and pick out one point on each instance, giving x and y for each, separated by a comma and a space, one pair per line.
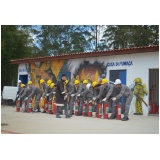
92, 68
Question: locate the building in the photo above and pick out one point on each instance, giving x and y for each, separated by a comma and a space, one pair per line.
125, 64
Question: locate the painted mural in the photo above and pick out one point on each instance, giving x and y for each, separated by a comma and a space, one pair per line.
52, 69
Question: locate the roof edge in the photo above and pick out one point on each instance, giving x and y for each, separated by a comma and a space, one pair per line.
88, 54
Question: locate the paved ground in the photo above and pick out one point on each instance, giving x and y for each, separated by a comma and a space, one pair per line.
40, 123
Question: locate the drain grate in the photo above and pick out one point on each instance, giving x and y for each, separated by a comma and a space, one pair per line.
4, 124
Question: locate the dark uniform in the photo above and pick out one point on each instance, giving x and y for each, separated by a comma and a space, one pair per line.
35, 91
26, 93
60, 92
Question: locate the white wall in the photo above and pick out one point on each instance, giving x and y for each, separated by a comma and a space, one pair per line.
142, 62
140, 65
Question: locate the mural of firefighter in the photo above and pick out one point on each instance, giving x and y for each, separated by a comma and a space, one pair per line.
91, 72
45, 70
139, 91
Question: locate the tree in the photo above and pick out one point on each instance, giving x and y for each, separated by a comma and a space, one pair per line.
131, 35
15, 44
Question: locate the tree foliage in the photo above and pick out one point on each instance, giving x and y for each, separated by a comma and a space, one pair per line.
131, 36
15, 44
31, 41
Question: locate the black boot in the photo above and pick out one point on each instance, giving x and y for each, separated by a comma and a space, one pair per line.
125, 118
112, 117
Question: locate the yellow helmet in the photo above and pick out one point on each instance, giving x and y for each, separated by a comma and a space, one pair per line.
85, 81
104, 80
23, 85
42, 81
52, 85
94, 84
49, 82
76, 82
30, 82
138, 80
66, 82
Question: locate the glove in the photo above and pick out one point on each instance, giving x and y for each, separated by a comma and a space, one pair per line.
72, 95
63, 92
54, 92
78, 95
41, 98
104, 99
26, 98
114, 98
94, 98
47, 94
65, 97
18, 99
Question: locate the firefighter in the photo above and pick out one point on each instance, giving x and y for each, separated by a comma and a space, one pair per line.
139, 91
95, 86
25, 94
82, 97
112, 91
78, 87
88, 95
102, 90
67, 98
60, 93
35, 91
52, 91
46, 89
126, 92
17, 95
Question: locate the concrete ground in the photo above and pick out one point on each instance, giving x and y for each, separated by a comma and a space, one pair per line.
41, 123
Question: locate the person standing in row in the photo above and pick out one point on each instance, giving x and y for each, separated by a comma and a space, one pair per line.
46, 89
78, 87
67, 98
60, 93
25, 94
35, 91
82, 97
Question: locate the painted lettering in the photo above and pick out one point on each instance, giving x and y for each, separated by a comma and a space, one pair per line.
124, 63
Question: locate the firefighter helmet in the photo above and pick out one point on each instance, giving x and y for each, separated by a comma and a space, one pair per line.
85, 81
49, 82
76, 82
138, 80
42, 81
52, 85
23, 85
117, 81
30, 82
104, 80
94, 84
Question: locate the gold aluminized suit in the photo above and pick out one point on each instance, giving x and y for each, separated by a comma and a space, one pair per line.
140, 90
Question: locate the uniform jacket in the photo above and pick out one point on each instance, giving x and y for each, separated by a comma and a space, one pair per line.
34, 91
102, 92
59, 95
26, 93
70, 88
46, 89
112, 91
78, 90
88, 94
124, 91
